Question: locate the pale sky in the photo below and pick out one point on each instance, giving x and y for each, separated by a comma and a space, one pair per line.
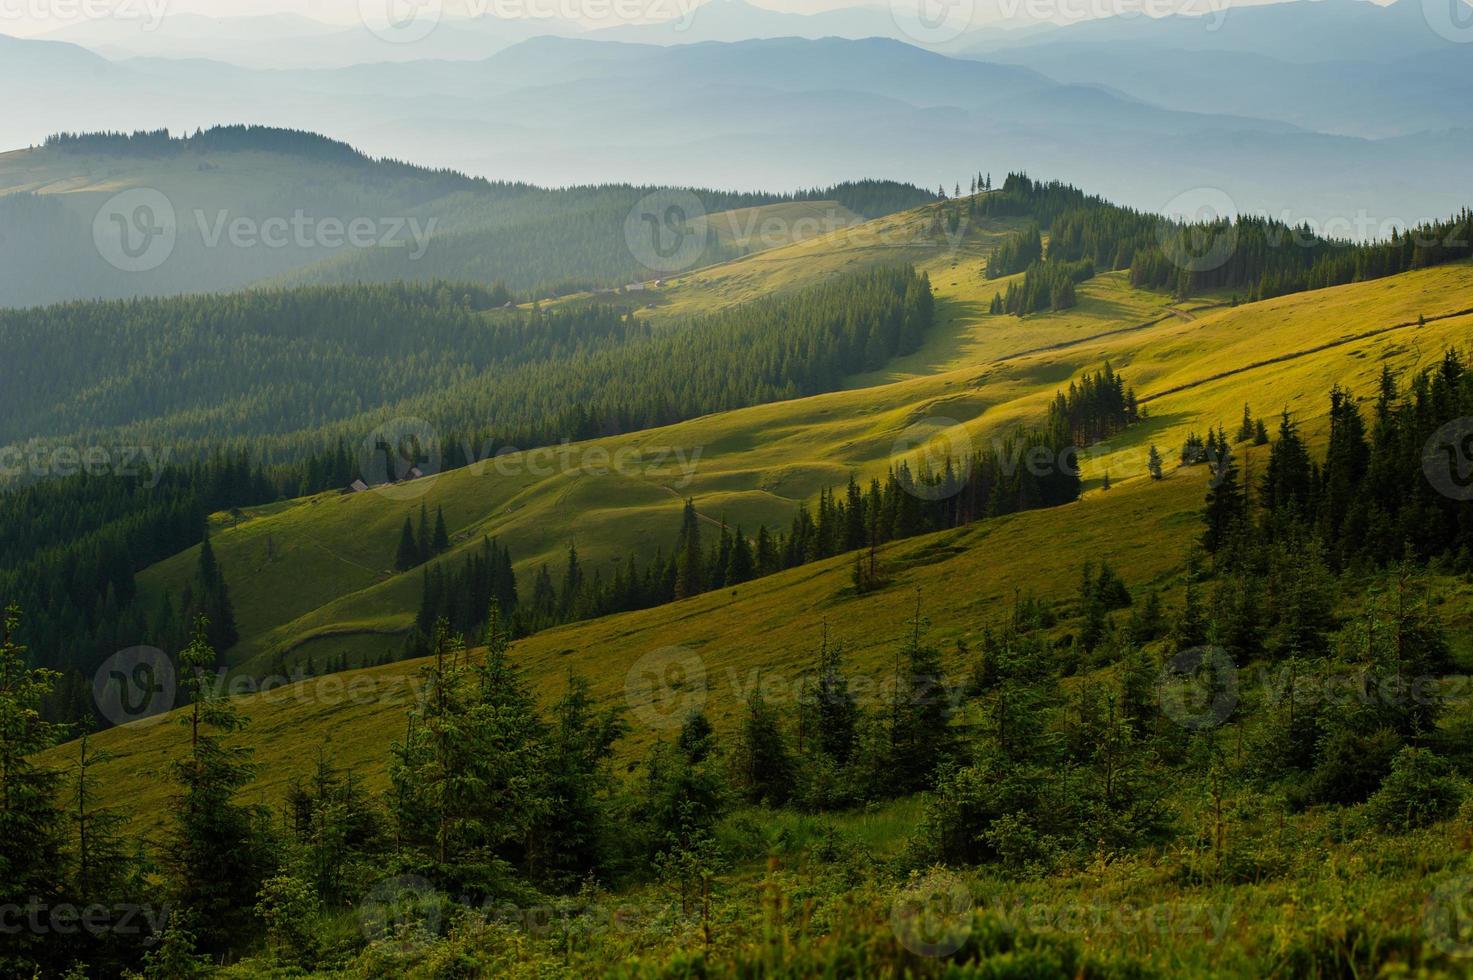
25, 18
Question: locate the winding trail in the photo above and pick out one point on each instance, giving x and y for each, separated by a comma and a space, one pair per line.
1295, 355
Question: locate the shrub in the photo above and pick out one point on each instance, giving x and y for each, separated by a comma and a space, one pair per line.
1419, 791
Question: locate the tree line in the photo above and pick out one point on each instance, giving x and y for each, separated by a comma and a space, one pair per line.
291, 361
1254, 257
1027, 469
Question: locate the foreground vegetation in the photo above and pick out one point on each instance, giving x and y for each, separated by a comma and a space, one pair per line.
1191, 699
1109, 785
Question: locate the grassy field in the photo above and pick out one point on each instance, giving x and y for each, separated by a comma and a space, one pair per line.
304, 575
327, 587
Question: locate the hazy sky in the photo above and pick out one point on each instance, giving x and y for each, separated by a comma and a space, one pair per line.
34, 17
31, 17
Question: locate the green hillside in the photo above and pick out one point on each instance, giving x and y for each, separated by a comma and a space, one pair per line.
329, 584
1034, 776
331, 570
249, 205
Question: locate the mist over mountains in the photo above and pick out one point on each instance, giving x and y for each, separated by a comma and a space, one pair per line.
1344, 114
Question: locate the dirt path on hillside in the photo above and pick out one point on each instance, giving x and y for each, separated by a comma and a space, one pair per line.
1066, 344
678, 496
1294, 356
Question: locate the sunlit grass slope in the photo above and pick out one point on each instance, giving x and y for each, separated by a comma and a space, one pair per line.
329, 574
329, 581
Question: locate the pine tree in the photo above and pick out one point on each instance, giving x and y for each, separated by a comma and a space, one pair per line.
213, 601
1247, 428
407, 556
836, 710
689, 573
762, 766
441, 541
216, 856
103, 863
1190, 629
741, 566
766, 557
422, 537
510, 799
570, 596
31, 829
579, 785
1224, 511
1153, 463
920, 735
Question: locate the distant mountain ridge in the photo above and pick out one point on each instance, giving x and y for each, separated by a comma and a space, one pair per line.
793, 112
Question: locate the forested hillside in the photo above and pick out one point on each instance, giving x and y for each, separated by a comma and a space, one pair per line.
422, 224
280, 380
1142, 612
1247, 256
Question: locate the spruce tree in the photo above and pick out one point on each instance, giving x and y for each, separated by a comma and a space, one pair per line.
511, 797
216, 857
569, 598
762, 766
1247, 428
740, 566
1153, 463
1289, 480
31, 828
422, 538
407, 556
720, 558
837, 710
1224, 510
103, 863
214, 598
920, 714
766, 557
1190, 629
579, 786
432, 772
441, 541
689, 560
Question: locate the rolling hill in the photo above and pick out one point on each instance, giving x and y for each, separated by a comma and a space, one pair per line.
314, 585
315, 577
241, 205
1194, 367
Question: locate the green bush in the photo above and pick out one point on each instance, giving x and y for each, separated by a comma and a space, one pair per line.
1419, 791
